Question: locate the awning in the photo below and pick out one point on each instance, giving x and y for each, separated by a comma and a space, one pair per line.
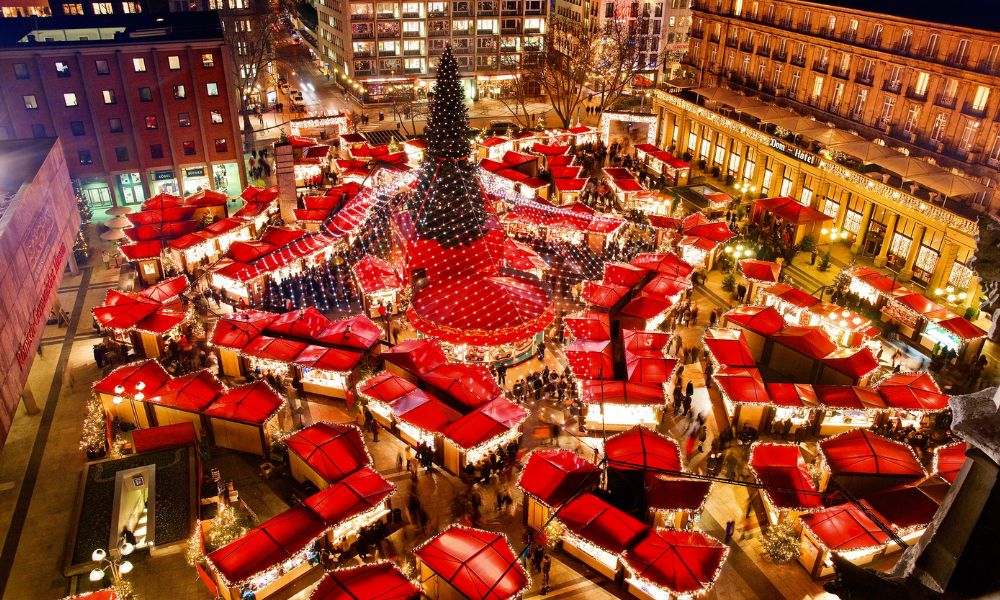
590, 359
553, 476
728, 347
597, 522
416, 355
793, 395
478, 564
790, 211
254, 404
844, 528
677, 562
333, 451
385, 387
792, 295
485, 423
351, 496
962, 328
912, 391
861, 452
810, 342
665, 263
786, 480
372, 581
742, 385
763, 320
640, 448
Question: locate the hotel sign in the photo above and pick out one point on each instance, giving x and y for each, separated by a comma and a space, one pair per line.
794, 151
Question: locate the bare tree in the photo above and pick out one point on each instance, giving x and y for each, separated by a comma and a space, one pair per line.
525, 87
404, 110
566, 66
618, 52
251, 36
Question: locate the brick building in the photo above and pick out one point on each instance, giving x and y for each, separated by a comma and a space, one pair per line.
142, 105
391, 48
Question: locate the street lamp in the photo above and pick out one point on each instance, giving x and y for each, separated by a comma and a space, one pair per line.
834, 234
116, 568
743, 189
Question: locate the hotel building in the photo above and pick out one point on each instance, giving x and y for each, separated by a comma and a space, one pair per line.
141, 106
392, 48
924, 88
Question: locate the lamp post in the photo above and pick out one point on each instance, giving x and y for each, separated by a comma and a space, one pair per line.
834, 234
117, 568
950, 295
742, 190
138, 396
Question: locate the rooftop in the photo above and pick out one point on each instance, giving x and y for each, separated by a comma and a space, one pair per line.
102, 29
961, 13
19, 161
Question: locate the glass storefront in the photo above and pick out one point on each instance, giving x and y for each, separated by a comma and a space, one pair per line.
163, 182
195, 180
96, 192
130, 188
226, 179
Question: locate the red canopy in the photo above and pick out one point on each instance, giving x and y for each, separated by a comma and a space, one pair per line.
595, 521
416, 355
268, 545
810, 342
272, 348
602, 295
962, 328
790, 211
640, 448
147, 374
763, 320
912, 391
792, 394
142, 250
676, 561
665, 286
164, 437
424, 411
236, 331
253, 403
666, 263
623, 274
161, 201
948, 460
332, 451
844, 527
717, 231
521, 257
861, 452
357, 332
589, 326
728, 347
851, 397
356, 493
670, 493
649, 366
760, 270
742, 385
305, 323
646, 307
206, 198
478, 564
124, 311
553, 476
853, 362
553, 150
166, 290
918, 303
780, 468
598, 391
373, 581
485, 423
904, 507
590, 359
328, 359
193, 392
470, 386
792, 295
385, 386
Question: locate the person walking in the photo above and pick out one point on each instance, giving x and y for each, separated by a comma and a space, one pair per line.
730, 530
546, 568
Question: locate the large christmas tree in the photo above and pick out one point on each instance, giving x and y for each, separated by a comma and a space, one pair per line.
448, 202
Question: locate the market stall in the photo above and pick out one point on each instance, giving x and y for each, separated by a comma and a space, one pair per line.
788, 487
463, 563
197, 250
846, 407
796, 352
845, 327
759, 274
148, 258
371, 581
358, 500
379, 283
793, 304
802, 220
596, 533
669, 563
123, 391
744, 396
863, 462
145, 324
795, 403
551, 477
848, 366
758, 324
245, 418
727, 348
949, 460
845, 530
183, 400
660, 162
617, 405
675, 501
324, 453
956, 334
911, 311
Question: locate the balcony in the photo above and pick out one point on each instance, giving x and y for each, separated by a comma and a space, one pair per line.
945, 101
438, 32
532, 48
487, 12
412, 15
362, 17
508, 49
820, 66
926, 53
746, 47
363, 35
413, 34
387, 16
799, 60
849, 37
417, 52
892, 87
436, 51
714, 39
988, 67
802, 27
864, 79
764, 51
972, 110
385, 53
697, 33
841, 73
732, 42
780, 56
902, 48
872, 41
914, 94
956, 59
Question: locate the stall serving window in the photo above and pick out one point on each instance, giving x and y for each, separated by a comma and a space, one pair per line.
927, 256
854, 418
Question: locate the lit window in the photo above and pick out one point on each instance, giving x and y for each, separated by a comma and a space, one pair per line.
208, 60
139, 64
70, 99
216, 116
131, 8
151, 122
212, 88
102, 67
188, 148
982, 95
179, 92
62, 69
30, 103
183, 119
221, 145
72, 9
103, 8
109, 96
174, 63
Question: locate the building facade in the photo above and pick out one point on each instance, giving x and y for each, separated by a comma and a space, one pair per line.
140, 108
662, 28
391, 49
929, 87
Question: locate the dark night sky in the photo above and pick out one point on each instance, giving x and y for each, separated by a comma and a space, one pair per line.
980, 14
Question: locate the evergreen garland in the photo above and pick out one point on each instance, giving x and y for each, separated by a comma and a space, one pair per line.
448, 202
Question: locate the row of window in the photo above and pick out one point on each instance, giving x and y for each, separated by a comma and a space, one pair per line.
78, 129
145, 95
155, 150
415, 9
103, 67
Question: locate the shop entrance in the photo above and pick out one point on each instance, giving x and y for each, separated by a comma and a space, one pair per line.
130, 185
226, 179
96, 193
132, 510
195, 180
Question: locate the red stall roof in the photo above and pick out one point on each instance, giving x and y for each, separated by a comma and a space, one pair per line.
793, 296
267, 545
962, 328
253, 403
333, 451
166, 290
236, 331
479, 564
596, 391
717, 231
358, 332
948, 460
646, 307
861, 452
594, 520
780, 468
811, 342
590, 359
142, 250
549, 150
912, 391
193, 392
485, 423
124, 311
553, 476
372, 581
728, 347
625, 274
329, 359
375, 275
790, 211
677, 562
589, 326
853, 362
273, 348
164, 437
644, 366
876, 279
792, 394
424, 411
666, 492
742, 385
148, 373
471, 386
603, 295
763, 271
904, 507
356, 493
416, 355
521, 257
305, 323
386, 386
851, 397
665, 286
763, 320
640, 448
666, 263
844, 527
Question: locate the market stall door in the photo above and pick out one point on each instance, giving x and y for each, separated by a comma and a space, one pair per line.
150, 345
230, 362
236, 436
452, 458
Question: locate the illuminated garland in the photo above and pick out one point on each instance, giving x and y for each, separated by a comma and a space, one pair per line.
826, 465
705, 586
